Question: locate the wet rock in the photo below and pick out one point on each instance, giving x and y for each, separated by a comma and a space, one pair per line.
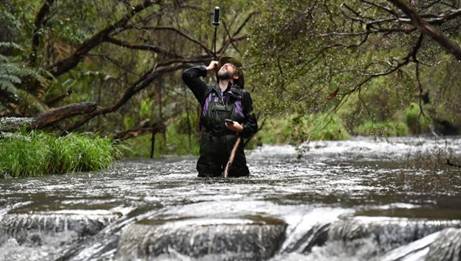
11, 249
447, 246
310, 229
8, 124
44, 235
36, 239
444, 127
30, 227
387, 232
444, 245
209, 239
375, 236
416, 250
380, 238
316, 236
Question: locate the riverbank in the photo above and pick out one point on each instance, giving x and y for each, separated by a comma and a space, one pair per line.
38, 153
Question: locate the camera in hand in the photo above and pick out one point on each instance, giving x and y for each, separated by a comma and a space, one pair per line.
229, 121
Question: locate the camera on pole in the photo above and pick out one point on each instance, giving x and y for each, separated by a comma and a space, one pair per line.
216, 16
215, 23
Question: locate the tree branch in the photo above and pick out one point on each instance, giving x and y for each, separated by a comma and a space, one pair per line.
40, 21
55, 115
449, 45
70, 62
143, 128
143, 47
139, 85
179, 32
234, 38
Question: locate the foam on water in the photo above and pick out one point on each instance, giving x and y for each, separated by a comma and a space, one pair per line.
267, 151
387, 148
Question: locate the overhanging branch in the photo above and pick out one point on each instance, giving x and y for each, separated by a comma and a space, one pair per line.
449, 45
143, 82
70, 62
143, 47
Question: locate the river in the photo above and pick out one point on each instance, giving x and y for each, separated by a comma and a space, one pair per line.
362, 199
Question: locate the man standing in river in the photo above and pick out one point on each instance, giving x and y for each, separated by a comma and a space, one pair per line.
226, 115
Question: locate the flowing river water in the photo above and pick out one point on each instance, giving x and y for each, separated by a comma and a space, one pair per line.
363, 199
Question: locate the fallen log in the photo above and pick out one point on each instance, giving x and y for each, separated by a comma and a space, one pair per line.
55, 115
46, 119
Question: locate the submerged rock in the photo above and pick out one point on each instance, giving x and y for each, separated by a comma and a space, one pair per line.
387, 233
444, 245
316, 236
416, 250
371, 238
31, 227
217, 239
447, 246
377, 238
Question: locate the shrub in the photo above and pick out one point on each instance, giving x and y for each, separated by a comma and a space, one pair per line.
36, 154
417, 123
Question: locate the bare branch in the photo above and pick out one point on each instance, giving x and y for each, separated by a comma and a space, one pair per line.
55, 115
143, 82
177, 31
449, 45
143, 47
234, 38
70, 62
40, 21
381, 7
230, 37
143, 127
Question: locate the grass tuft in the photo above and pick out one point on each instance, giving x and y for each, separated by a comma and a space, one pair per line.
37, 154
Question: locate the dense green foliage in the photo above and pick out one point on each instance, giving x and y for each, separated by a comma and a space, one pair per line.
316, 69
416, 121
295, 129
37, 153
348, 58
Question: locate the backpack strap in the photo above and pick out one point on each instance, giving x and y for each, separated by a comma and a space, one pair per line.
205, 96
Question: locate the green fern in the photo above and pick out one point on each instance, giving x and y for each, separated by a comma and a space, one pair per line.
10, 45
12, 71
10, 76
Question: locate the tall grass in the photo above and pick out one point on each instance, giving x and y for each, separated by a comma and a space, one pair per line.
37, 154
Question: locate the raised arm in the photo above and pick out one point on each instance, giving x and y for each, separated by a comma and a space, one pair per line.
192, 78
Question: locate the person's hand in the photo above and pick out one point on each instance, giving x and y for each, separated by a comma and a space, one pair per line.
212, 66
234, 126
